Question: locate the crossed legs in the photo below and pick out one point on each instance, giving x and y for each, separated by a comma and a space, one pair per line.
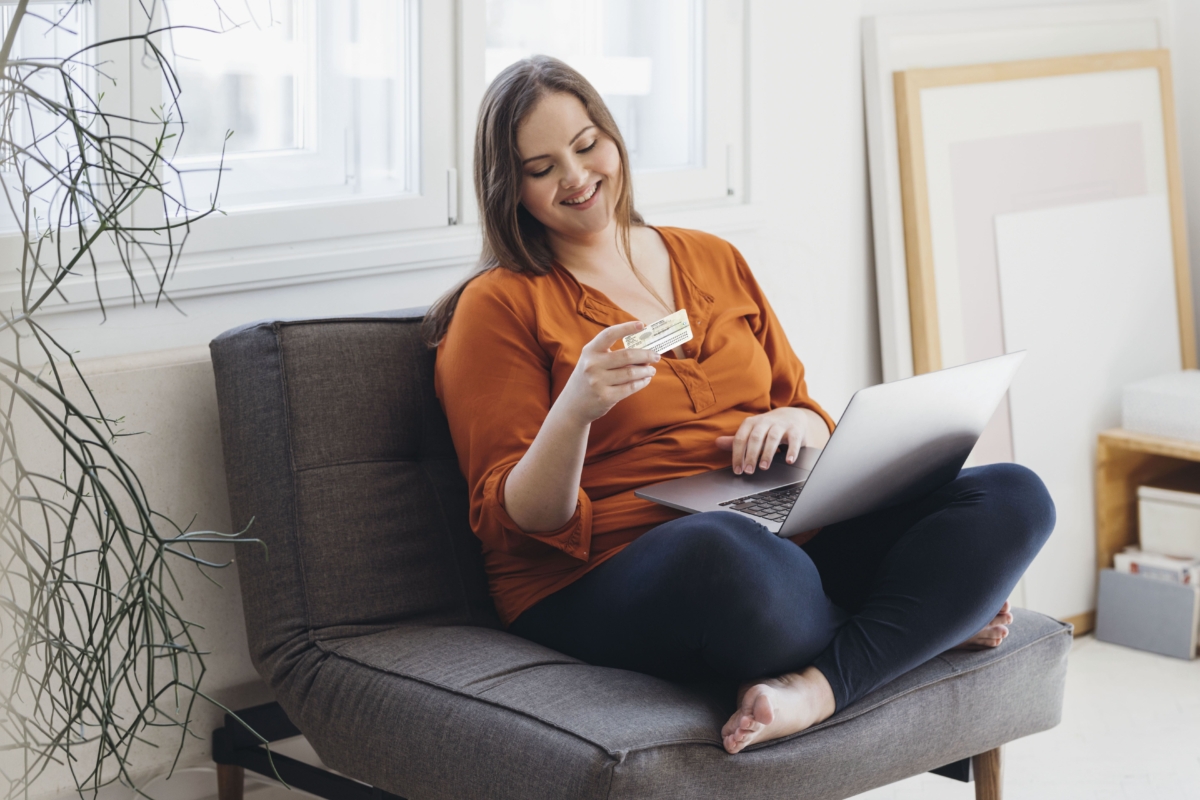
806, 631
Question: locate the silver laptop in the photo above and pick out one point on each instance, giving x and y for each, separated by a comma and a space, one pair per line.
895, 442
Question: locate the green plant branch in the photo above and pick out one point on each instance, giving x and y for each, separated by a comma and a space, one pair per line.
94, 646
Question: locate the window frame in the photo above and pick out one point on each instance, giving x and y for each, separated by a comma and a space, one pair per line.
250, 249
241, 230
427, 207
721, 64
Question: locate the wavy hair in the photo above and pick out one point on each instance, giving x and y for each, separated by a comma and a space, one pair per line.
512, 238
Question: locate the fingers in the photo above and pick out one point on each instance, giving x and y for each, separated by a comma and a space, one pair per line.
795, 442
759, 437
613, 334
754, 447
620, 358
631, 374
770, 445
739, 445
632, 387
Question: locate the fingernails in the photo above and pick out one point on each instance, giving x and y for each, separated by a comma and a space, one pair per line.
764, 464
657, 357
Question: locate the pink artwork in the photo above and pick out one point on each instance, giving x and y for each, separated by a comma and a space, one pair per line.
1024, 173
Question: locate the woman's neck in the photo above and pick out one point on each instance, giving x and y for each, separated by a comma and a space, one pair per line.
596, 254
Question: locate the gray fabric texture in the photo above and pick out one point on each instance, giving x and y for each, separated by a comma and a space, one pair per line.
368, 614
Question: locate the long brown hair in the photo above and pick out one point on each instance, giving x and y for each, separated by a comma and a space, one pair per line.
512, 237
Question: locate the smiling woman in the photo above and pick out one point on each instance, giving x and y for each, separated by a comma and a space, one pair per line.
556, 427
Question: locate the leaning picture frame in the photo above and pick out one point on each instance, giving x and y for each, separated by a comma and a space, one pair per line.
1112, 115
1043, 209
894, 42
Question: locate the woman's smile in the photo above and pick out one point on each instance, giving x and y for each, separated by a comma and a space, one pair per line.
585, 199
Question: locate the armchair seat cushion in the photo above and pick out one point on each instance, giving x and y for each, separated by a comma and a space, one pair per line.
461, 711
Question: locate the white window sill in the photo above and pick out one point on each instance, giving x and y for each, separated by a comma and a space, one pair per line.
272, 266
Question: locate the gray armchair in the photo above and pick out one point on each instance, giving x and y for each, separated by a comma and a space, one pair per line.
369, 617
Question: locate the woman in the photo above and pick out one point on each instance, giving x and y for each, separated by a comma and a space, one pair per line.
555, 429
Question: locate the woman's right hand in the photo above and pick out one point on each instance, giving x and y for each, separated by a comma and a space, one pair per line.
604, 377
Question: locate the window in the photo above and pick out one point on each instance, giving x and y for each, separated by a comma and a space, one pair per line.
332, 115
642, 57
669, 70
53, 30
308, 100
353, 121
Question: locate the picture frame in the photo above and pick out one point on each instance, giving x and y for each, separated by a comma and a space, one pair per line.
927, 204
894, 42
1042, 206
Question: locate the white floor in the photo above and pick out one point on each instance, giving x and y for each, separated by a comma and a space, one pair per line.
1130, 730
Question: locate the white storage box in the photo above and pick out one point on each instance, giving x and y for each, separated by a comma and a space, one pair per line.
1166, 405
1169, 515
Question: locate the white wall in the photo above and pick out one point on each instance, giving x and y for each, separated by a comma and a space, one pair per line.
807, 238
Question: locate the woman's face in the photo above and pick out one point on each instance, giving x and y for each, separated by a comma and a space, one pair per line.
571, 170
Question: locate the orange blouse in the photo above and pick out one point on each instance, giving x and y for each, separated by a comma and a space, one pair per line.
510, 348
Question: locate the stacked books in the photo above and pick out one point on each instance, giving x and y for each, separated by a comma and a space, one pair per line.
1174, 569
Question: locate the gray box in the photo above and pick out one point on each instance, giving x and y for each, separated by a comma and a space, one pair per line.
1148, 614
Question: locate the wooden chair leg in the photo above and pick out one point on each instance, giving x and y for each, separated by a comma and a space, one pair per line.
988, 775
231, 782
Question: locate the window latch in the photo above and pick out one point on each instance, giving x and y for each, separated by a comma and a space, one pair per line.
452, 196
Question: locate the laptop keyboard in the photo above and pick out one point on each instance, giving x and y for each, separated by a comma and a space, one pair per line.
772, 505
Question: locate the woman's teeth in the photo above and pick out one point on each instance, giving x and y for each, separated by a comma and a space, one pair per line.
583, 198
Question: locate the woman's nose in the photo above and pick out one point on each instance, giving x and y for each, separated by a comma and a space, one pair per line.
574, 174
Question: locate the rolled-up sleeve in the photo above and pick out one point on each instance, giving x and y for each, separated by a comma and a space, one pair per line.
788, 387
493, 380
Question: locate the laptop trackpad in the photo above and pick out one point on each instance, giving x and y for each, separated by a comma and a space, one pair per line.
707, 491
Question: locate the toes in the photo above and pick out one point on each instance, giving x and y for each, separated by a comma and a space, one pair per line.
735, 744
763, 713
748, 721
733, 725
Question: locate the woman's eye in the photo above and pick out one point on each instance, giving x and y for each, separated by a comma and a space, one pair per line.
590, 146
543, 173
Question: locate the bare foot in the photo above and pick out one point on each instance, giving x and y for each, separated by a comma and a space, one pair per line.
992, 634
777, 707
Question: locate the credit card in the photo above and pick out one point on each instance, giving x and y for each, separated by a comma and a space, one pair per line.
666, 334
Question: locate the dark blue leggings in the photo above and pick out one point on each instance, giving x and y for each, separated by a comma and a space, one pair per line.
716, 595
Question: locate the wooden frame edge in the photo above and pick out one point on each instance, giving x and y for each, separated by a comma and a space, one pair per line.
914, 193
918, 244
1179, 233
1084, 623
999, 71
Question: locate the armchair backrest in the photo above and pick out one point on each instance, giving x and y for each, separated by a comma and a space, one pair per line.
337, 449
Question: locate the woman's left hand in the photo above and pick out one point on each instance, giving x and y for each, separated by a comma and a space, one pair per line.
759, 436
